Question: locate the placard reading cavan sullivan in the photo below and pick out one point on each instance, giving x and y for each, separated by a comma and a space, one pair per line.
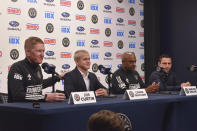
82, 97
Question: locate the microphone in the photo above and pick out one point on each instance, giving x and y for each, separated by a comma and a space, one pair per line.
192, 68
49, 68
104, 70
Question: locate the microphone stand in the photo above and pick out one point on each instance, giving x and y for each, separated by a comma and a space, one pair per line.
53, 80
109, 82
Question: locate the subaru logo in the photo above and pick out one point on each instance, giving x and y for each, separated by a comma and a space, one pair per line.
108, 54
119, 66
49, 53
49, 0
107, 7
65, 14
132, 32
142, 44
120, 20
13, 23
80, 28
66, 66
94, 42
142, 1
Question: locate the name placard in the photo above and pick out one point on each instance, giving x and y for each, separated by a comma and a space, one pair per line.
135, 94
82, 97
188, 91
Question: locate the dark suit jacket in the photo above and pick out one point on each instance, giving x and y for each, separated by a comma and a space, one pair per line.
73, 82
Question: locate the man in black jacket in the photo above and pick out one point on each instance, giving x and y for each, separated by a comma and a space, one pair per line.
80, 79
25, 79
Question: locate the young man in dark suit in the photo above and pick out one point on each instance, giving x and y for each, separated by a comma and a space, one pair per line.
80, 79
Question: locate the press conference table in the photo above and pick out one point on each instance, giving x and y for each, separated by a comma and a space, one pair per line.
160, 112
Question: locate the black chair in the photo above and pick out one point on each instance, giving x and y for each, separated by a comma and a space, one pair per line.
3, 98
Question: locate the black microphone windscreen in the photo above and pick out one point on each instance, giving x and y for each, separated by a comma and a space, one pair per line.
44, 65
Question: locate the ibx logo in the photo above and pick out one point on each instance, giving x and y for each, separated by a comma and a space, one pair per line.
142, 56
120, 10
30, 26
49, 3
94, 31
120, 21
107, 9
107, 20
94, 55
65, 55
14, 40
49, 55
81, 43
131, 44
65, 16
132, 22
15, 11
118, 56
14, 26
107, 43
108, 56
94, 44
80, 17
65, 29
120, 33
65, 3
80, 30
49, 15
32, 1
131, 34
49, 41
141, 13
132, 1
94, 7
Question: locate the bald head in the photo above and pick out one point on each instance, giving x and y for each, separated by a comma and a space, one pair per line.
128, 61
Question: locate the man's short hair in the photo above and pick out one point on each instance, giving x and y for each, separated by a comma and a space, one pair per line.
164, 56
78, 53
124, 55
31, 41
105, 120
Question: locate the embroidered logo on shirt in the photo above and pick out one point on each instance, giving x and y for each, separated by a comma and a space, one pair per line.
29, 77
18, 76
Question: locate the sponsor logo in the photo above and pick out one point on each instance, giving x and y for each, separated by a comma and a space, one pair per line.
119, 66
120, 21
65, 16
49, 3
108, 54
80, 17
141, 34
132, 1
131, 44
94, 55
118, 56
120, 44
14, 40
1, 54
141, 2
81, 43
94, 67
120, 1
107, 44
94, 7
120, 10
14, 54
142, 67
94, 31
49, 15
131, 34
142, 45
30, 26
49, 41
49, 28
142, 23
65, 66
80, 30
49, 55
14, 25
65, 42
32, 1
80, 5
65, 29
127, 125
94, 19
65, 55
107, 32
107, 20
132, 22
132, 11
32, 13
141, 13
65, 3
94, 44
142, 56
120, 33
107, 9
15, 11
